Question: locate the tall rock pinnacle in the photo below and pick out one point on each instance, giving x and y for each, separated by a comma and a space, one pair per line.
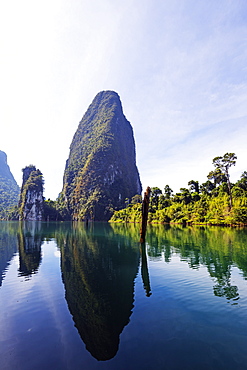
31, 203
101, 170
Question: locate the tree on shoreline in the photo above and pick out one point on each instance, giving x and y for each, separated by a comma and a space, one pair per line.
209, 206
223, 164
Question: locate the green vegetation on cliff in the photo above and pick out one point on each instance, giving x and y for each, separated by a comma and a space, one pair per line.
101, 169
31, 199
216, 201
9, 190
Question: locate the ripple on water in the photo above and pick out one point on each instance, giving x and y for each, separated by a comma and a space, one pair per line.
195, 288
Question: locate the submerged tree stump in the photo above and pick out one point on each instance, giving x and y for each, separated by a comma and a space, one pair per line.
145, 205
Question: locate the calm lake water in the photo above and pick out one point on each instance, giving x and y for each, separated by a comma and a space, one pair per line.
77, 297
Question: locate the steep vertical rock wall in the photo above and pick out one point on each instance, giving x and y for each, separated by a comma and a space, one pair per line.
4, 168
31, 204
101, 170
9, 190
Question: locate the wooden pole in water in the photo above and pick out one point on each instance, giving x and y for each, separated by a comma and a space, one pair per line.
145, 204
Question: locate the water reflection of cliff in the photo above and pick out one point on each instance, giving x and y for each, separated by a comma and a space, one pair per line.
29, 242
98, 270
219, 249
8, 245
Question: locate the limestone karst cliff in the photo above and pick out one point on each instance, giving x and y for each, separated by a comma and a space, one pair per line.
101, 170
31, 203
9, 190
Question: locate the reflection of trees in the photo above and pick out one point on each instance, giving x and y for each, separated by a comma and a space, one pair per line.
217, 248
8, 245
227, 290
220, 269
98, 270
29, 240
131, 230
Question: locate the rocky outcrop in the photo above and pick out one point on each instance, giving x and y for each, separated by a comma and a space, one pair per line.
101, 170
31, 204
9, 190
4, 168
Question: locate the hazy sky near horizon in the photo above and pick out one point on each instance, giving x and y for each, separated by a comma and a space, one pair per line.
179, 67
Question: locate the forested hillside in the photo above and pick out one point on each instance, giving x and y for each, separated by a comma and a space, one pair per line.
9, 190
217, 201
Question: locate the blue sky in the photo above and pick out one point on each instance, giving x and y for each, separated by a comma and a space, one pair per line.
179, 67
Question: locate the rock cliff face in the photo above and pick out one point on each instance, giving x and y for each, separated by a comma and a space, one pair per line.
9, 190
101, 170
4, 168
31, 204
